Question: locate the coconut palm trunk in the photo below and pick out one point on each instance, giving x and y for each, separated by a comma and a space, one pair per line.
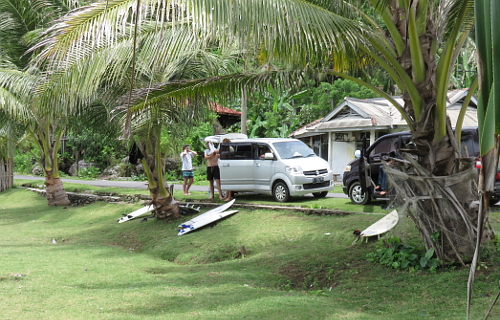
56, 195
166, 207
6, 157
48, 141
6, 174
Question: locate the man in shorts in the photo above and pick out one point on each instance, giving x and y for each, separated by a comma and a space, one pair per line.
187, 168
213, 172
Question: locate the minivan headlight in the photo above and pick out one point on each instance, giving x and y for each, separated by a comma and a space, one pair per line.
348, 168
293, 170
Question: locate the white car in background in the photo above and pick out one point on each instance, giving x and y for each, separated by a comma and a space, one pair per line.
276, 166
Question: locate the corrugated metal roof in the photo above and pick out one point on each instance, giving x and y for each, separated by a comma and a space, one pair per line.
378, 113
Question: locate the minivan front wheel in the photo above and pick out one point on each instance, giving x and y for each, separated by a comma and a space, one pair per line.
280, 192
357, 195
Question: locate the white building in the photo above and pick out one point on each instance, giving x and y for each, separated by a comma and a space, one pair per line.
336, 136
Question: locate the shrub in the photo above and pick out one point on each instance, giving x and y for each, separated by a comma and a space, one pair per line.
391, 252
23, 162
200, 173
173, 175
140, 177
89, 173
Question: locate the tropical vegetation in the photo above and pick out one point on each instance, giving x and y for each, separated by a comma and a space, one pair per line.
415, 42
145, 53
29, 102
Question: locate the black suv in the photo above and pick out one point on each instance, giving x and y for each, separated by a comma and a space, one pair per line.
380, 149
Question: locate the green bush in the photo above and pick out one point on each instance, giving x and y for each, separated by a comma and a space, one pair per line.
140, 177
173, 175
200, 173
23, 162
395, 254
89, 173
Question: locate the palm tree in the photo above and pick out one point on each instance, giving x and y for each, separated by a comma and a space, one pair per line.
23, 95
143, 121
415, 42
43, 125
147, 118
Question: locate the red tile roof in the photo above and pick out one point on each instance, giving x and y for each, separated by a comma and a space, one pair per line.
224, 110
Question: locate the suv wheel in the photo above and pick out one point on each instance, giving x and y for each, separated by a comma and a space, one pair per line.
357, 195
320, 194
280, 192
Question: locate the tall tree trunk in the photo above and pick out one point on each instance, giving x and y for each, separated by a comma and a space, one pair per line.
244, 111
444, 209
56, 195
48, 141
166, 207
6, 174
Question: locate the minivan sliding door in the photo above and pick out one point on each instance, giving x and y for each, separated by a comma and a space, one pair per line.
236, 166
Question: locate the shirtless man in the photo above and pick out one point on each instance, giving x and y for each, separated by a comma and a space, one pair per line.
213, 172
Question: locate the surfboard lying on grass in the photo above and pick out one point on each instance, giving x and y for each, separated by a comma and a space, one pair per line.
206, 218
382, 226
137, 213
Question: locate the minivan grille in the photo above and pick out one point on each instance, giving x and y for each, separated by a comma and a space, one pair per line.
315, 172
308, 186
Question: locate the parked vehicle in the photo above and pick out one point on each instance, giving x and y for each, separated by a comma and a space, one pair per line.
381, 148
279, 167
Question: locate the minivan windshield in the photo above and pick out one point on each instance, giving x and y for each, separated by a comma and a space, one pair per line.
293, 149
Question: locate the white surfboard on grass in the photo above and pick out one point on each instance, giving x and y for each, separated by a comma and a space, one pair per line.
382, 226
206, 218
137, 213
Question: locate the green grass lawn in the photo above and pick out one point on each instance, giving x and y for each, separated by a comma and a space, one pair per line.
79, 263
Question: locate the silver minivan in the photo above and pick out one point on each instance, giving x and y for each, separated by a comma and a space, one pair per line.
276, 166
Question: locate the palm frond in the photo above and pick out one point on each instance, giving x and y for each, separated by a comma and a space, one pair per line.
103, 23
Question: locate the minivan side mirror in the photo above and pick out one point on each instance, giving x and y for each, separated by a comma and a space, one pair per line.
357, 154
268, 156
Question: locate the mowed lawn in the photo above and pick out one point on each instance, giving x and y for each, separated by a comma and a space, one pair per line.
79, 263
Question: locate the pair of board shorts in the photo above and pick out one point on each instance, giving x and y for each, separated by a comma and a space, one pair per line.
187, 174
213, 173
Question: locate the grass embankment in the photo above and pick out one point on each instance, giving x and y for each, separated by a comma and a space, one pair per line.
78, 263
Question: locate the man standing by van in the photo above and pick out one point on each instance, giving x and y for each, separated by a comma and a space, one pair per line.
213, 172
187, 168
